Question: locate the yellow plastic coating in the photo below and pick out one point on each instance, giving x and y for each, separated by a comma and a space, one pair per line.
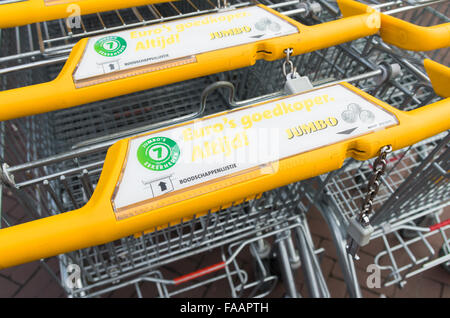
32, 11
95, 223
61, 92
439, 77
401, 33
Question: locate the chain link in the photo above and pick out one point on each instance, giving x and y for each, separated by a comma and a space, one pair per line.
379, 167
287, 62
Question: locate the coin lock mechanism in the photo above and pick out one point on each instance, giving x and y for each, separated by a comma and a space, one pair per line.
295, 83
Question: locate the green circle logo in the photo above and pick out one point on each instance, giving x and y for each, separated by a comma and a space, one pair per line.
158, 153
110, 46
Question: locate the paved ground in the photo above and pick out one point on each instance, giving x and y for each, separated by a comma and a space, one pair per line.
33, 280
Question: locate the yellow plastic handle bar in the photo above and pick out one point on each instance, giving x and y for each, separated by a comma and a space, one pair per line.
63, 92
401, 33
98, 222
32, 11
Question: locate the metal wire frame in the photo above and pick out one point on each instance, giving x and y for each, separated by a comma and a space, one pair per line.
257, 281
115, 262
285, 252
163, 285
419, 12
338, 195
423, 247
406, 187
415, 185
426, 187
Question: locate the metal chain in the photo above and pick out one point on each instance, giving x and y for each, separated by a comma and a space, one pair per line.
379, 167
287, 62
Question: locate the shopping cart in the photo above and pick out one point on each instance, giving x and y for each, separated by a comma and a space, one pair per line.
105, 266
415, 189
102, 67
59, 183
413, 192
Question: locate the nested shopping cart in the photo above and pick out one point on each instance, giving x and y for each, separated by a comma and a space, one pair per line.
59, 181
102, 67
414, 190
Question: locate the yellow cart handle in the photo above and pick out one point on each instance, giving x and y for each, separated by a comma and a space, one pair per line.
63, 92
32, 11
401, 33
96, 223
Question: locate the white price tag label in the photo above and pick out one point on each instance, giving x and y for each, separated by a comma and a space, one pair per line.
174, 160
179, 39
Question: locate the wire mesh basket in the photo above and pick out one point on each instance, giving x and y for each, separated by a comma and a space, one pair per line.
413, 246
132, 260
